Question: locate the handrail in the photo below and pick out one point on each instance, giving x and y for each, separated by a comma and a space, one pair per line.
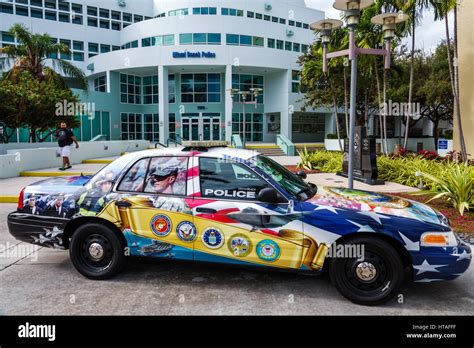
98, 137
177, 141
236, 141
286, 145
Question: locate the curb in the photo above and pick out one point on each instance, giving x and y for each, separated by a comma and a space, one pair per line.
97, 161
8, 199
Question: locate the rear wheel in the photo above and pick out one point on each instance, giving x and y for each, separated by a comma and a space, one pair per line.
97, 252
373, 280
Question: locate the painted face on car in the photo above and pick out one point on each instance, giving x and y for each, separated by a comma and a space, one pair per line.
163, 184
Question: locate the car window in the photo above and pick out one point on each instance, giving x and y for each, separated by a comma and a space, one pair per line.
167, 175
109, 173
229, 180
134, 180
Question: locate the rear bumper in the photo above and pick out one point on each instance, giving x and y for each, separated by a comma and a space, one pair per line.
40, 230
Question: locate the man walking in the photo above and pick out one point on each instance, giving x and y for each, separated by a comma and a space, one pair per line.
65, 139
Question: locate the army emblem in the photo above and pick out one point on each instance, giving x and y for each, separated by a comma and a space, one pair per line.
186, 231
212, 238
268, 250
160, 225
239, 245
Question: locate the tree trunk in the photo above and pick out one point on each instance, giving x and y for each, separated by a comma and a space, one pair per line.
32, 135
412, 73
435, 133
366, 119
453, 77
338, 129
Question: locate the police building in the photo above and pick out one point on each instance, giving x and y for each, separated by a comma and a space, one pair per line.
183, 69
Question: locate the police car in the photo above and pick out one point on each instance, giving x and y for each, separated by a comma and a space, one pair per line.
206, 202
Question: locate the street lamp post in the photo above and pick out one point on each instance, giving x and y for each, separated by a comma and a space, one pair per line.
352, 10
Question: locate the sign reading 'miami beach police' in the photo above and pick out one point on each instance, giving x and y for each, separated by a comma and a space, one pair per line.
187, 54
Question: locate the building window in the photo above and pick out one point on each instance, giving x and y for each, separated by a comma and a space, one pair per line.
250, 14
244, 40
104, 13
130, 89
100, 84
200, 88
179, 12
116, 26
204, 11
231, 12
288, 46
295, 84
253, 126
304, 48
93, 49
92, 11
63, 6
104, 24
296, 47
127, 17
77, 8
172, 126
92, 22
21, 11
131, 126
67, 43
6, 8
168, 40
76, 19
200, 39
104, 48
245, 82
279, 44
271, 43
171, 89
133, 44
116, 15
137, 18
150, 89
37, 13
151, 129
165, 40
50, 4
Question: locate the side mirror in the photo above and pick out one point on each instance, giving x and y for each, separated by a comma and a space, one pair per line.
270, 195
302, 174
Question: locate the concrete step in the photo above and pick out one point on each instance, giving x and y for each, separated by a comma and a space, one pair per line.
268, 151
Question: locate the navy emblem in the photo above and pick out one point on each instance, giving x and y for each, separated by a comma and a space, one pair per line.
240, 245
268, 250
186, 231
161, 225
212, 238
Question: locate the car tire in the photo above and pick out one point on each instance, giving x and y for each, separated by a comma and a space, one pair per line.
372, 281
97, 252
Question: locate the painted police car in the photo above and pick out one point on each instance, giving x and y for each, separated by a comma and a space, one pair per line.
218, 204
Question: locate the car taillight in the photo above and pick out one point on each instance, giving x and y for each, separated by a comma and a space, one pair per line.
20, 199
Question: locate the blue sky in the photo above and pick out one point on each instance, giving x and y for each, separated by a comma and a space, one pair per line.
429, 33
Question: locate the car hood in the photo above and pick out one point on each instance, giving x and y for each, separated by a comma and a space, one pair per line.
375, 202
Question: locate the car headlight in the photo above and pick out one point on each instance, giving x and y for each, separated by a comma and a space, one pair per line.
438, 239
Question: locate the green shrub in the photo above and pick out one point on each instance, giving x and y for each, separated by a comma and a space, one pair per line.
449, 179
456, 185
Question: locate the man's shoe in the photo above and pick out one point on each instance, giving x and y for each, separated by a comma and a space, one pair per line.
68, 167
62, 168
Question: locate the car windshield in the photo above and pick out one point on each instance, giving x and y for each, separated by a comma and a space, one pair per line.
289, 181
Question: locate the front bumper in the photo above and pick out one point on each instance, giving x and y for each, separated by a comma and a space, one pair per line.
437, 264
40, 230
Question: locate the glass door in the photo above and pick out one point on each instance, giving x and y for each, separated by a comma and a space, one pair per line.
202, 126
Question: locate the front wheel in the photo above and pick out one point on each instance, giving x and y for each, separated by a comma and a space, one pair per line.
372, 280
97, 252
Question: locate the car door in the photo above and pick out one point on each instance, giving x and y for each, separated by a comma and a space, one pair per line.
234, 227
154, 208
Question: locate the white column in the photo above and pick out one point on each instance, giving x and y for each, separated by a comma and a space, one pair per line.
228, 103
163, 107
287, 109
107, 78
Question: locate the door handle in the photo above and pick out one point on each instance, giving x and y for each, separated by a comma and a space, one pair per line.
206, 210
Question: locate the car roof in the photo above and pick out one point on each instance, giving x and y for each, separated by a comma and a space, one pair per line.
213, 152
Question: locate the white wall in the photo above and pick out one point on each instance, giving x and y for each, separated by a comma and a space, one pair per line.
18, 160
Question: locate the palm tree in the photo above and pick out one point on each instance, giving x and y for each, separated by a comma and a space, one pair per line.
415, 9
34, 52
442, 10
